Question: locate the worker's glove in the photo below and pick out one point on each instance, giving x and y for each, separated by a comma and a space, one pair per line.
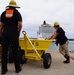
56, 43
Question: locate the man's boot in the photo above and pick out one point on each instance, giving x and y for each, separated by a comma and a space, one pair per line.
67, 59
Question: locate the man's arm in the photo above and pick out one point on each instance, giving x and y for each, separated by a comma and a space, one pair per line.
19, 26
1, 26
54, 36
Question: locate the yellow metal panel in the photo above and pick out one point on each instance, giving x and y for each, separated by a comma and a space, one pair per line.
39, 44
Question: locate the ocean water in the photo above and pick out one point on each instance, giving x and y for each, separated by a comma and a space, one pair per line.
54, 47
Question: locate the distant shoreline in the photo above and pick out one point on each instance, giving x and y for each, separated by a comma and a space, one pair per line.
71, 39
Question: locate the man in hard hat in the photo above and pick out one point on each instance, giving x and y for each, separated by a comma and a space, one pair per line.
11, 24
62, 40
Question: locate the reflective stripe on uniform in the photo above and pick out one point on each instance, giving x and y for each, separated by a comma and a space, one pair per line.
9, 13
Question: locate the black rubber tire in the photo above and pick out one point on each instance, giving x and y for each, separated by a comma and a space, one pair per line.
22, 58
47, 60
10, 56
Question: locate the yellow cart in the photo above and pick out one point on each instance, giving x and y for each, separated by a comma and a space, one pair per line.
34, 49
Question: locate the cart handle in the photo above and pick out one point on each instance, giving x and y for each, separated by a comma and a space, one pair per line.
24, 32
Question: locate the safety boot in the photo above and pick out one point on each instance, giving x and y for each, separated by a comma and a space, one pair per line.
19, 70
67, 59
4, 72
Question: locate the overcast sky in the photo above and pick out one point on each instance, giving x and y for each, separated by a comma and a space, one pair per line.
34, 12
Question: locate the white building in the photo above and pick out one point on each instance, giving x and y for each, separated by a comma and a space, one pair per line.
45, 30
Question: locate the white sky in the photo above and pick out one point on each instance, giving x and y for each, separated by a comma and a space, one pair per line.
34, 12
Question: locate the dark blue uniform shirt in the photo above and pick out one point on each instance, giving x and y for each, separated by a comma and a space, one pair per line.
61, 38
11, 24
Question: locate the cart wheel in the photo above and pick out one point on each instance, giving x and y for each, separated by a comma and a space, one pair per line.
23, 60
10, 57
47, 60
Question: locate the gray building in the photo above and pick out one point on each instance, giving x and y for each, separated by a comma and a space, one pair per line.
45, 30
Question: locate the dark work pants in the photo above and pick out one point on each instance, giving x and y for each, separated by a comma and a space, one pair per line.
10, 39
